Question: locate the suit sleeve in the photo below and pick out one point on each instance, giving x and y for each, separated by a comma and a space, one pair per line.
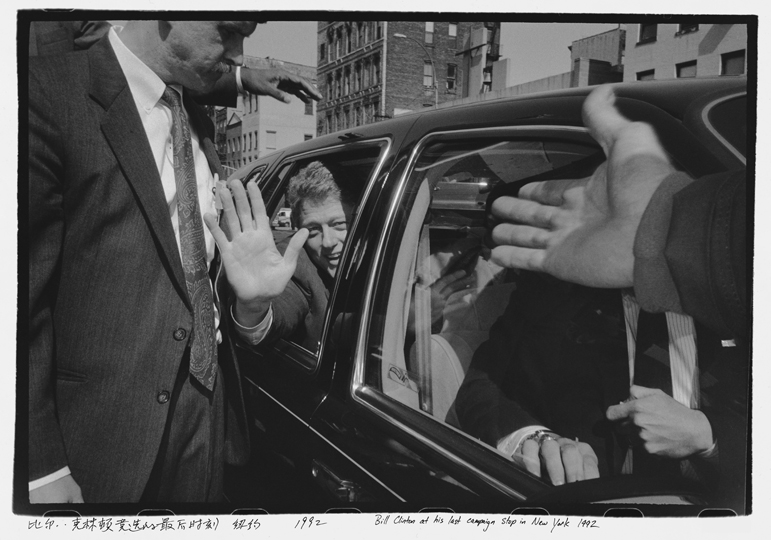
691, 251
46, 235
484, 405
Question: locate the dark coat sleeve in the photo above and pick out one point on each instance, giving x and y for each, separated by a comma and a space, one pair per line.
553, 358
46, 237
691, 251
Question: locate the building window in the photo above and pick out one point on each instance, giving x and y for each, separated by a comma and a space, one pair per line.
357, 77
686, 69
357, 116
429, 33
376, 70
322, 52
428, 74
361, 26
365, 72
451, 75
646, 75
270, 140
330, 45
330, 88
379, 29
686, 28
339, 44
307, 137
347, 82
732, 63
647, 33
375, 109
338, 84
309, 108
452, 31
347, 40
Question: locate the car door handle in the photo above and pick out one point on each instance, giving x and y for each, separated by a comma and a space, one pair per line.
342, 490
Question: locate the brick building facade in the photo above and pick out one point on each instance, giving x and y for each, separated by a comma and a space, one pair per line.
372, 70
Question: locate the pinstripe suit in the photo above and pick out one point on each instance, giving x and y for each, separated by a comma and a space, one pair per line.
110, 317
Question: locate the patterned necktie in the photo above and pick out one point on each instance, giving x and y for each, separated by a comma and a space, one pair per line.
203, 348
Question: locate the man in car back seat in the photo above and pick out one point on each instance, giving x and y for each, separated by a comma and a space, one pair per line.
296, 311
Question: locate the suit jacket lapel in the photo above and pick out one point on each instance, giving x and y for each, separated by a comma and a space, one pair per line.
126, 136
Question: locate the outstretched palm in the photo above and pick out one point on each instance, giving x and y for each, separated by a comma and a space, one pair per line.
583, 230
255, 269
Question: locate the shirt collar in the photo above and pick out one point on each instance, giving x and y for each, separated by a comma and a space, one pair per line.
146, 87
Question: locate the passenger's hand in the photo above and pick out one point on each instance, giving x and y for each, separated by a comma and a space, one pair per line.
563, 459
61, 491
583, 230
255, 269
278, 83
665, 427
446, 286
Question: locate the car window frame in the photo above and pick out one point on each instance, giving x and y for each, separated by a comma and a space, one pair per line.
309, 362
405, 418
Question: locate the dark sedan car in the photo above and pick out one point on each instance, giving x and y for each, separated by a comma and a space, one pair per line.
366, 419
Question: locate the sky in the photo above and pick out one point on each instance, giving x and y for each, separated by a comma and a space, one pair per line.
535, 50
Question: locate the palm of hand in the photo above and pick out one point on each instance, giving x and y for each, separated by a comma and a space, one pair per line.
255, 268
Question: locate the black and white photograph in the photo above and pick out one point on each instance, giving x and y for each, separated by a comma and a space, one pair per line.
417, 266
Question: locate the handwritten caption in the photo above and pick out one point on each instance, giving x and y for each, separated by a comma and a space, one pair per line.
478, 523
486, 523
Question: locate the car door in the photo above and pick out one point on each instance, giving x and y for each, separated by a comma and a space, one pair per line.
391, 413
286, 380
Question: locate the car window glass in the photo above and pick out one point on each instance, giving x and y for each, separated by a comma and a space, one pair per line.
729, 118
300, 312
444, 293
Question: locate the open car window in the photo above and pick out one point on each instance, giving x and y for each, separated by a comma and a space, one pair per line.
444, 293
352, 167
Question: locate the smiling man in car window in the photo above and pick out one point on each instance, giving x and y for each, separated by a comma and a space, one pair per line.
320, 207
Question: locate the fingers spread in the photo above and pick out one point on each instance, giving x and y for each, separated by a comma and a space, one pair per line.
518, 257
242, 204
638, 392
572, 460
530, 454
216, 232
620, 411
524, 211
602, 118
552, 457
294, 247
525, 236
258, 206
591, 469
232, 222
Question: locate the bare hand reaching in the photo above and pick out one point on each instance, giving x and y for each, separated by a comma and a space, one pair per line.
583, 230
254, 267
278, 83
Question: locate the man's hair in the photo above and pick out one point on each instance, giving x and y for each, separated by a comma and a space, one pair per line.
315, 183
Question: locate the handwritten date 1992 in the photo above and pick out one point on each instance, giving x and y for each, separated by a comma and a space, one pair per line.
307, 523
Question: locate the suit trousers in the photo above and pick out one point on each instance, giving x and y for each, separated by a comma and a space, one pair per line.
190, 462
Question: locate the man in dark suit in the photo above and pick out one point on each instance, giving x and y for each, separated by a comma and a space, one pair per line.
134, 394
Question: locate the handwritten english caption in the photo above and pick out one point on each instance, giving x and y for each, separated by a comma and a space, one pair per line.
486, 523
